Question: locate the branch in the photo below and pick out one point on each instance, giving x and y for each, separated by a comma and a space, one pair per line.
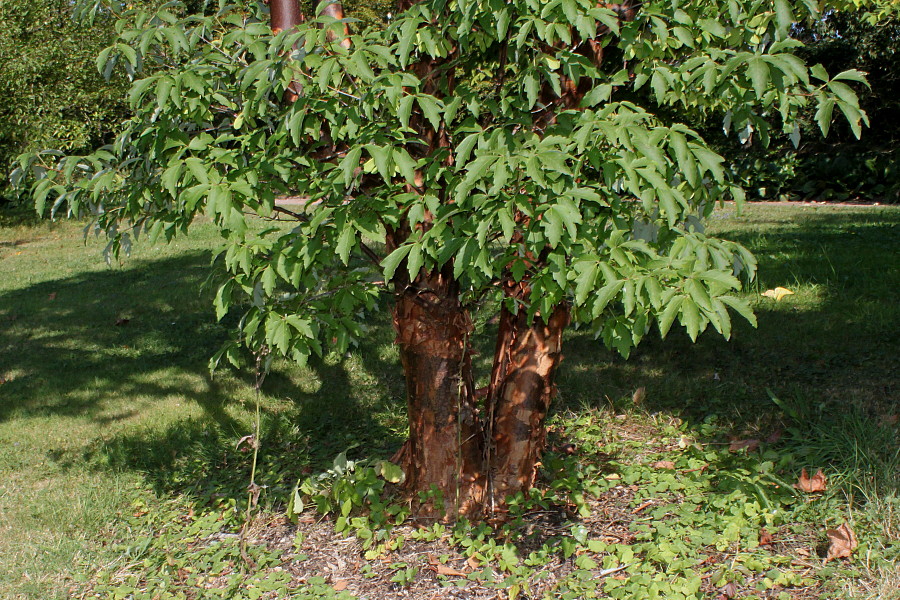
298, 216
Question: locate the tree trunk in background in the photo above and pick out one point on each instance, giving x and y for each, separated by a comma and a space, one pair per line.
521, 388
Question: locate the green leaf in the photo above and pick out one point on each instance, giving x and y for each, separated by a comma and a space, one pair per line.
605, 296
584, 282
464, 148
852, 75
393, 260
710, 160
345, 242
390, 472
414, 260
823, 115
532, 87
759, 75
690, 318
843, 92
819, 72
668, 315
382, 157
784, 16
406, 165
404, 109
740, 307
349, 164
431, 109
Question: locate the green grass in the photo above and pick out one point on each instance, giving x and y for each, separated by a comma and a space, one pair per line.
100, 422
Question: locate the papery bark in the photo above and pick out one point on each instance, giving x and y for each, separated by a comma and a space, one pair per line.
521, 388
444, 451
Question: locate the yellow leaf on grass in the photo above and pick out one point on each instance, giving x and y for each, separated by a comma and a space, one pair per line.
777, 294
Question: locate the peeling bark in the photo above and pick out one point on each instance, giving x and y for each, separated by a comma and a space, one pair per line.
519, 395
444, 449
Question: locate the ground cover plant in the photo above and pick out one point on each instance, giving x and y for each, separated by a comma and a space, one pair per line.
671, 473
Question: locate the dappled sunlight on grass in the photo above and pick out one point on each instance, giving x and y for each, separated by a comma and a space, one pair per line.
95, 415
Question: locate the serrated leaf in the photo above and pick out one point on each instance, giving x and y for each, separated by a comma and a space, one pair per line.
759, 75
823, 115
464, 148
431, 109
740, 307
349, 164
393, 260
584, 283
690, 318
605, 296
784, 15
414, 260
404, 109
852, 75
406, 165
382, 157
345, 242
668, 315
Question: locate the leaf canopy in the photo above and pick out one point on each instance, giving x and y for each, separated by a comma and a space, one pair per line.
525, 140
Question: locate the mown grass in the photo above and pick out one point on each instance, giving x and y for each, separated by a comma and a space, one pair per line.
101, 421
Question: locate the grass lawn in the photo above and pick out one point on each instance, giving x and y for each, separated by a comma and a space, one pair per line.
120, 476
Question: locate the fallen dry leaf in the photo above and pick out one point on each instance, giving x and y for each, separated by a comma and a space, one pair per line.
765, 538
340, 585
51, 296
250, 440
729, 590
441, 569
639, 395
888, 420
473, 563
749, 445
613, 477
802, 551
777, 294
664, 464
842, 542
816, 483
774, 436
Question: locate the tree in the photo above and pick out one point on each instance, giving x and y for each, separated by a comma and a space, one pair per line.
533, 155
52, 95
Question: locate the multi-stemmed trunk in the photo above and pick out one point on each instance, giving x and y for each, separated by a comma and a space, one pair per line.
471, 457
461, 459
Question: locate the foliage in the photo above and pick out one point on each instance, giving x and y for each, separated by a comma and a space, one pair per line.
841, 167
53, 96
607, 193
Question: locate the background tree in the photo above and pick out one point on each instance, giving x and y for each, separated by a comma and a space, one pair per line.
53, 96
534, 156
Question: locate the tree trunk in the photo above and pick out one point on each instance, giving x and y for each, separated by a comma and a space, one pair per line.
521, 388
444, 452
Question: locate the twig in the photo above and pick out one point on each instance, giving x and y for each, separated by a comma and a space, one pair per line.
606, 572
298, 216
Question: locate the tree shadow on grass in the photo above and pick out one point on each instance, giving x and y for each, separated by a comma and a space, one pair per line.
63, 355
110, 348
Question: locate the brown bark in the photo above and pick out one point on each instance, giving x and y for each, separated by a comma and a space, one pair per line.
521, 388
444, 449
335, 9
